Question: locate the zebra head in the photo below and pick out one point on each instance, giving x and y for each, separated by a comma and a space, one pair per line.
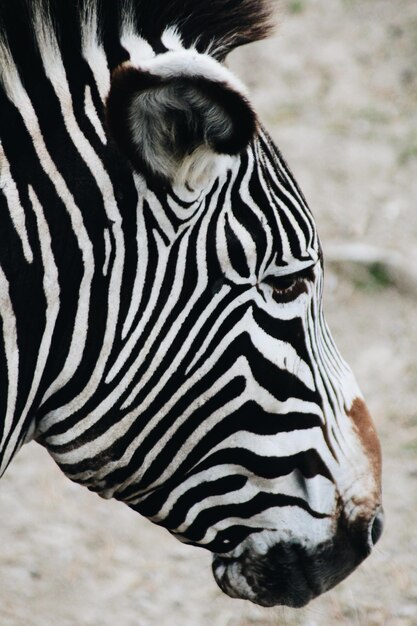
161, 294
263, 450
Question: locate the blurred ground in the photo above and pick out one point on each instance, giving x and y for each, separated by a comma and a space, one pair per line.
337, 88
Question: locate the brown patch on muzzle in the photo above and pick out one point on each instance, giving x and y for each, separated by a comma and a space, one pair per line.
361, 417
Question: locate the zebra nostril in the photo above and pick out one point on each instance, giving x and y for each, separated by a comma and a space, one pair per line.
376, 527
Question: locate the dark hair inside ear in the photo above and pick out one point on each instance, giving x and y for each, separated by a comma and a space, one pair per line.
200, 112
236, 111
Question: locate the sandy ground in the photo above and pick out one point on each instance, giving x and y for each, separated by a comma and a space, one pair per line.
338, 89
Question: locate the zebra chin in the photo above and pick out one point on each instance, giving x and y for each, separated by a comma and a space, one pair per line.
240, 580
292, 575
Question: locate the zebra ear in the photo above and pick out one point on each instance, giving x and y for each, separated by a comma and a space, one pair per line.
173, 118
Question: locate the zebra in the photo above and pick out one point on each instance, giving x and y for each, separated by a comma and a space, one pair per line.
161, 279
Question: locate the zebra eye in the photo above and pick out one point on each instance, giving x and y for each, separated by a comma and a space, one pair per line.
282, 283
288, 287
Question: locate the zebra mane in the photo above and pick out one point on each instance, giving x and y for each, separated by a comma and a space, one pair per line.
216, 26
213, 26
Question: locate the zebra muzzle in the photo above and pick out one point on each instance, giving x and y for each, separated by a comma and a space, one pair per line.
290, 574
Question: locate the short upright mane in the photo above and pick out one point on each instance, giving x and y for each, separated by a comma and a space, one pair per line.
215, 25
218, 24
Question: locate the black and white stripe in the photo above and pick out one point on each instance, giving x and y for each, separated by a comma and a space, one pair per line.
163, 336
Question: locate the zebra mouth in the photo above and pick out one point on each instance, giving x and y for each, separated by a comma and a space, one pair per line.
250, 579
291, 574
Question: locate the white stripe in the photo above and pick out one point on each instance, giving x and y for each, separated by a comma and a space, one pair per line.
221, 240
294, 199
122, 425
142, 251
93, 51
280, 354
52, 295
20, 99
51, 291
55, 71
252, 390
107, 251
162, 255
12, 359
284, 485
282, 524
90, 111
160, 216
245, 297
195, 203
183, 316
94, 447
251, 204
9, 189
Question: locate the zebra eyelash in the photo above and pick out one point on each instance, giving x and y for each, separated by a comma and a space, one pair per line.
290, 286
